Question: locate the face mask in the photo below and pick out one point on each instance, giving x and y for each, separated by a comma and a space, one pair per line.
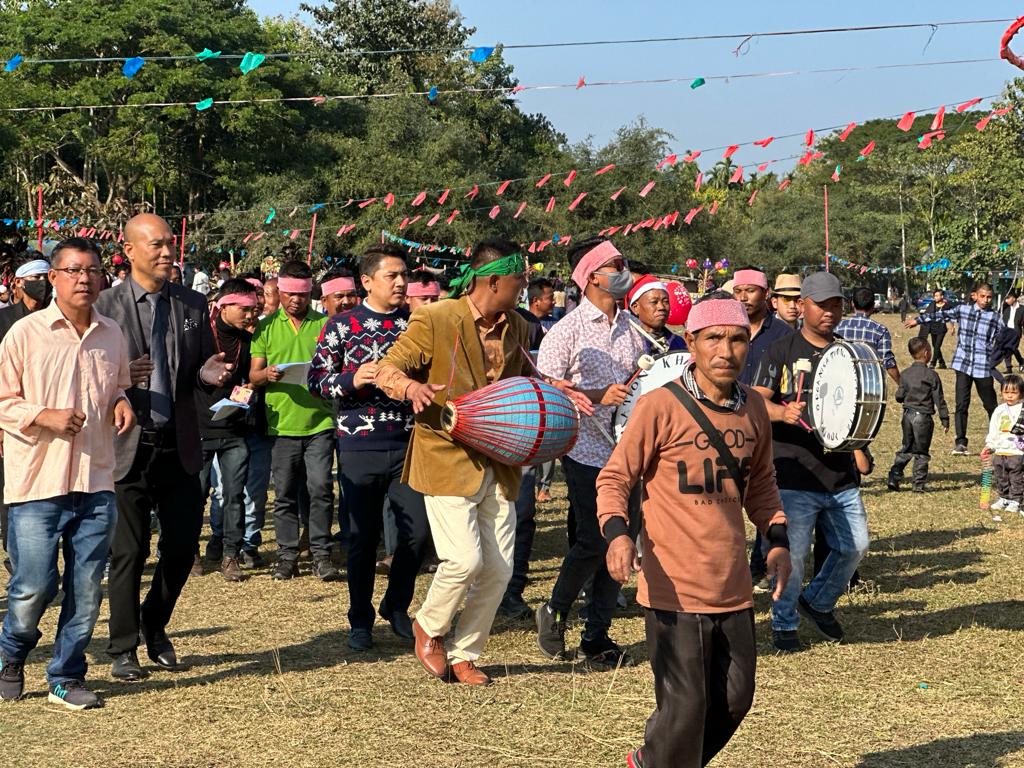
619, 283
37, 290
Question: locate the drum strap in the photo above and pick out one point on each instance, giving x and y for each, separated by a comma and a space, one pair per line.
714, 436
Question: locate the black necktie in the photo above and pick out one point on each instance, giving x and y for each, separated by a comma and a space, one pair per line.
161, 404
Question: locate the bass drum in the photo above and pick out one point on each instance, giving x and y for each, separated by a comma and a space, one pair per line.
666, 368
847, 397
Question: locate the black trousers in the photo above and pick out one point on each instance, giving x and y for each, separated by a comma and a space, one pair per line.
367, 479
936, 340
917, 441
526, 529
704, 667
987, 393
298, 461
156, 481
232, 454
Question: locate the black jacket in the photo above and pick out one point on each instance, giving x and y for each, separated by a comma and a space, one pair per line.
920, 390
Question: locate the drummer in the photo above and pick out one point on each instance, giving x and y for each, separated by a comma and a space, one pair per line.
596, 347
814, 485
648, 301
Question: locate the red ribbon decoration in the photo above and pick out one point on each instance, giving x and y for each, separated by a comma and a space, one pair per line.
1004, 44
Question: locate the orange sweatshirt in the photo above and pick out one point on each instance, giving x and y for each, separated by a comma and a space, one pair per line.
694, 544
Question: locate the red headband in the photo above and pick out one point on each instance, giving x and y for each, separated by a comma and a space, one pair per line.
294, 284
594, 259
337, 285
418, 290
238, 299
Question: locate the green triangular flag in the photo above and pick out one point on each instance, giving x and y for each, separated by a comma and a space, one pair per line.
697, 83
204, 104
206, 53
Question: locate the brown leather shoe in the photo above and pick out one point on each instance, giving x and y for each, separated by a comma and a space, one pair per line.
197, 566
230, 569
468, 673
430, 651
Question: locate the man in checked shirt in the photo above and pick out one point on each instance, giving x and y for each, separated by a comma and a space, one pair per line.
977, 327
861, 327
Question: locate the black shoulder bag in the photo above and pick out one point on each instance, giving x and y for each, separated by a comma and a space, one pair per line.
714, 436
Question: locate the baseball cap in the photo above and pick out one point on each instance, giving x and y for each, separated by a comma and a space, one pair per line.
787, 285
821, 286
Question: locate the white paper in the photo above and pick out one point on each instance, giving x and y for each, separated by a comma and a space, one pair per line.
224, 408
293, 373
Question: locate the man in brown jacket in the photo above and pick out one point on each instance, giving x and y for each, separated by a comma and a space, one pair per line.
450, 348
702, 446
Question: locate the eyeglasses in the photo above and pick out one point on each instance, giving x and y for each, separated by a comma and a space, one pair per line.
73, 272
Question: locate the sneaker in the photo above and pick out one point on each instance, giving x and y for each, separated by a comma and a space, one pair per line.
215, 550
550, 632
604, 651
998, 505
1012, 507
360, 639
251, 558
324, 570
12, 679
960, 450
285, 569
635, 759
74, 695
825, 623
230, 569
786, 641
197, 567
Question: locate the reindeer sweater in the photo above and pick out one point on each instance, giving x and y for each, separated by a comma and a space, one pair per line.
366, 419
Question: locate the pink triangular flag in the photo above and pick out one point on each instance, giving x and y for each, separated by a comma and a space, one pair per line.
806, 159
520, 209
967, 105
577, 201
295, 233
937, 120
906, 122
434, 219
847, 131
817, 156
543, 180
533, 247
248, 237
928, 138
672, 218
730, 151
568, 179
700, 180
365, 203
259, 236
418, 200
341, 231
762, 167
443, 197
611, 231
785, 183
604, 170
691, 157
627, 229
868, 148
471, 195
550, 206
737, 175
389, 200
982, 124
752, 198
581, 82
647, 189
618, 192
714, 208
693, 212
494, 212
502, 187
809, 137
451, 218
414, 219
1001, 112
764, 142
670, 160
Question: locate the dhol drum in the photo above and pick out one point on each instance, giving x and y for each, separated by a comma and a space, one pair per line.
663, 369
846, 402
518, 421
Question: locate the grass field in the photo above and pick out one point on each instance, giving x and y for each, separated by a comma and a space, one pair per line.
932, 675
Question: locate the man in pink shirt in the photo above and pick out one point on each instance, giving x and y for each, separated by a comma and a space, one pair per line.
63, 372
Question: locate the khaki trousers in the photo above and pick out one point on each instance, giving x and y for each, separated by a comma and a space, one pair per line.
474, 538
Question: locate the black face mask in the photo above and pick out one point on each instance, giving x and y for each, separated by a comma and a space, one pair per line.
37, 290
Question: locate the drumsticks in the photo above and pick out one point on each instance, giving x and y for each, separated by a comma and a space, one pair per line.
656, 342
803, 366
644, 363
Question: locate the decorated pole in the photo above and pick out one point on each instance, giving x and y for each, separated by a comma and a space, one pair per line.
826, 230
181, 259
312, 234
39, 217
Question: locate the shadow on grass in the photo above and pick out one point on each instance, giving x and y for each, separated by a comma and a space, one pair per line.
979, 750
889, 571
931, 539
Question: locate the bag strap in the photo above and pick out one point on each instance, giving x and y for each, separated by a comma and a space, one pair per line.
714, 436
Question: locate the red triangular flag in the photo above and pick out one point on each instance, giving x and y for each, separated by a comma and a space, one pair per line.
577, 201
581, 82
730, 151
414, 219
700, 180
443, 197
906, 122
737, 175
472, 193
967, 105
1000, 112
568, 179
764, 142
618, 192
647, 188
809, 138
693, 212
847, 131
605, 169
670, 160
365, 203
611, 231
762, 167
543, 180
550, 206
434, 219
628, 229
937, 120
418, 200
982, 124
502, 187
817, 156
785, 183
691, 157
868, 148
522, 207
494, 212
714, 208
451, 218
928, 138
752, 198
532, 248
389, 200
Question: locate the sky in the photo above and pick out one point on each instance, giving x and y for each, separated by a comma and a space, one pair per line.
734, 111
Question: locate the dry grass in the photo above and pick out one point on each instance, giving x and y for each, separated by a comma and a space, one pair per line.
932, 675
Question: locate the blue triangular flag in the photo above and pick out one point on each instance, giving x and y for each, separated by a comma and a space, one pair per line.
14, 62
432, 95
481, 54
315, 208
132, 66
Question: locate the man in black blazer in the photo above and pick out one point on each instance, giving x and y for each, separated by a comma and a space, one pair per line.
172, 353
1013, 318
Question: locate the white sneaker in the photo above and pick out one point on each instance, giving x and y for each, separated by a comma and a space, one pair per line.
998, 505
1012, 507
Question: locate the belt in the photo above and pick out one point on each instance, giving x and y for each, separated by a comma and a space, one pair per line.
157, 437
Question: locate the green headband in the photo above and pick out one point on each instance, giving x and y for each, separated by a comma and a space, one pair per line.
513, 264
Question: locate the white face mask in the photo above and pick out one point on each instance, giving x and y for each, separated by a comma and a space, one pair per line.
619, 283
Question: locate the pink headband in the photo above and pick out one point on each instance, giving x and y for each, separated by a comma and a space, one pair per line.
750, 277
294, 284
717, 312
238, 299
416, 289
337, 285
594, 259
254, 283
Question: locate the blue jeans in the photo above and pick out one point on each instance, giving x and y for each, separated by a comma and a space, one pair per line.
845, 525
256, 485
81, 525
226, 464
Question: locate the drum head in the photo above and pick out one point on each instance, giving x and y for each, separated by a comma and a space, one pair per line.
668, 367
834, 395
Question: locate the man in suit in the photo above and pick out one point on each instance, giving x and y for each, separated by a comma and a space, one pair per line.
472, 518
171, 349
1013, 319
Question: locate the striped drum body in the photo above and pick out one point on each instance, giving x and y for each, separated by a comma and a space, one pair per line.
518, 421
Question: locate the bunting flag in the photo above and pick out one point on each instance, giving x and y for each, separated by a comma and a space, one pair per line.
365, 203
550, 206
605, 169
762, 167
502, 187
700, 180
421, 197
618, 192
494, 212
906, 122
434, 219
809, 138
471, 195
763, 143
688, 219
647, 189
868, 149
569, 179
737, 175
982, 124
443, 197
577, 201
691, 157
451, 217
937, 120
967, 105
806, 159
543, 180
926, 140
581, 82
785, 183
522, 207
670, 160
730, 151
753, 197
389, 200
836, 172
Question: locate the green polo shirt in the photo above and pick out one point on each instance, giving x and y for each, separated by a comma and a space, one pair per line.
291, 410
